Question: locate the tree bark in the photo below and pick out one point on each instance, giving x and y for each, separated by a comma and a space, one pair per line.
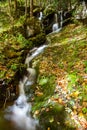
70, 3
9, 7
26, 7
31, 8
9, 10
15, 5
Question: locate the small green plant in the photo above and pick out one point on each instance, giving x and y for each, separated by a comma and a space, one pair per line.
84, 110
43, 81
46, 86
24, 42
14, 67
72, 80
2, 74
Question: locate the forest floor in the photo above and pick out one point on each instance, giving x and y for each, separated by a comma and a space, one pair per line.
62, 75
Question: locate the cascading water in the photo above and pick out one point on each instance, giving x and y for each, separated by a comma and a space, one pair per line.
41, 15
19, 113
55, 27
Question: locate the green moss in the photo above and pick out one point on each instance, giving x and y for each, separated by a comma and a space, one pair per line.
65, 58
24, 43
46, 86
12, 54
34, 24
2, 74
52, 117
38, 39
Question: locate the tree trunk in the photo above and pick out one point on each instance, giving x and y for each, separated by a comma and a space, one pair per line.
70, 3
10, 14
26, 7
31, 8
15, 5
9, 7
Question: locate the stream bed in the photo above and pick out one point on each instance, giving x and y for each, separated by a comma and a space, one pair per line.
18, 115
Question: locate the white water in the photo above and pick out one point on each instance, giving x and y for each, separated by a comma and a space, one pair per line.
55, 27
34, 54
19, 112
41, 15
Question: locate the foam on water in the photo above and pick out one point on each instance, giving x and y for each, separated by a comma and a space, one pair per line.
55, 27
19, 114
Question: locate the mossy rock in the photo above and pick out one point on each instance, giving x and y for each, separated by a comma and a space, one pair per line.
48, 29
34, 24
52, 116
36, 11
38, 39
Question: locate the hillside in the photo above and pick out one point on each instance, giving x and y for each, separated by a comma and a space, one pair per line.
62, 80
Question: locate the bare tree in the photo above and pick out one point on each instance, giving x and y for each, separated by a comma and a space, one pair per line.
15, 5
31, 8
10, 10
26, 2
9, 7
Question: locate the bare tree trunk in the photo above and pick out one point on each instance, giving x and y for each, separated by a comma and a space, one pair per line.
15, 5
10, 14
26, 7
31, 8
9, 7
70, 3
40, 3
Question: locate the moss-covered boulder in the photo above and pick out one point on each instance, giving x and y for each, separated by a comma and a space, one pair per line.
33, 27
13, 49
39, 39
34, 31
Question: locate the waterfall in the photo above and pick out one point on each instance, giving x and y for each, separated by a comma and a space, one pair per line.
55, 25
19, 112
41, 15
